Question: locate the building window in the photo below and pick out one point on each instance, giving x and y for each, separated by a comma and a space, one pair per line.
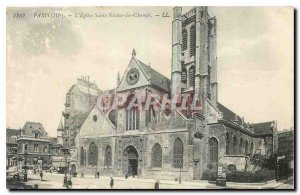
93, 154
108, 157
178, 153
184, 74
227, 144
112, 117
132, 119
35, 147
246, 147
45, 149
241, 146
213, 150
25, 148
251, 148
192, 41
184, 40
156, 158
82, 157
192, 76
95, 118
234, 145
36, 135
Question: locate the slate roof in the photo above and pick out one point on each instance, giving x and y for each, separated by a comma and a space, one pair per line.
263, 128
229, 115
156, 79
29, 127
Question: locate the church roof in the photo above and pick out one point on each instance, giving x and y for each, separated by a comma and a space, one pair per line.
229, 115
156, 79
263, 128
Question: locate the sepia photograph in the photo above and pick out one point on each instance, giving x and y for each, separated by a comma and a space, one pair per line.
114, 98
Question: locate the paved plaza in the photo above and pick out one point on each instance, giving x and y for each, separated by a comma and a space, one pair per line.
55, 181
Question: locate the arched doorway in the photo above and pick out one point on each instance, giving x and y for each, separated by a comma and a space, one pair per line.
130, 157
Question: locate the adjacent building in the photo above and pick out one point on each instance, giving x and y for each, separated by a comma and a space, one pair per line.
11, 147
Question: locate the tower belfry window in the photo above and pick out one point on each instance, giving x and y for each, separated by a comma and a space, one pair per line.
184, 40
192, 76
192, 41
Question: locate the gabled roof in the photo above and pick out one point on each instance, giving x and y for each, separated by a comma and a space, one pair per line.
156, 79
229, 115
264, 128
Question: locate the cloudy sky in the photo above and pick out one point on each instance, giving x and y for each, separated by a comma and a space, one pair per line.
45, 56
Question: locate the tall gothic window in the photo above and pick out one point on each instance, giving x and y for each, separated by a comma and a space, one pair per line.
234, 145
192, 75
241, 146
156, 158
108, 157
82, 157
192, 41
178, 153
132, 119
227, 144
184, 40
246, 147
93, 154
213, 150
251, 148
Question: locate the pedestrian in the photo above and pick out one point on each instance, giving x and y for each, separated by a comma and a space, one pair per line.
41, 175
98, 174
156, 185
111, 182
34, 171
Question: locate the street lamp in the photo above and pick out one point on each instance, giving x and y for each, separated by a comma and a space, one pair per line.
25, 162
65, 151
180, 167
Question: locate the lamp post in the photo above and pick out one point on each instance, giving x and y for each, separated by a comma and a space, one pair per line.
25, 162
65, 151
180, 167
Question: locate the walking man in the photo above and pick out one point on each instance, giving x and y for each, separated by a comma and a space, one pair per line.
111, 182
156, 185
41, 175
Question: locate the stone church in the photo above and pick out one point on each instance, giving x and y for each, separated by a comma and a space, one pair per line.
170, 143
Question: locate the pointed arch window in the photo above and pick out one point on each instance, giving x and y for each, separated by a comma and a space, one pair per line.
213, 150
93, 154
234, 145
82, 157
192, 41
241, 146
156, 158
246, 147
178, 153
227, 144
192, 76
108, 157
184, 40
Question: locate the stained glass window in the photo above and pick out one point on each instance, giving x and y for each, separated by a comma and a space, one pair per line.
156, 156
178, 153
93, 154
108, 157
213, 150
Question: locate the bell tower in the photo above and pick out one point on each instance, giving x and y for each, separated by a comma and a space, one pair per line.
194, 53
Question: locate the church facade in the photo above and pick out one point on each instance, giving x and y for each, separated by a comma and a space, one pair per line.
169, 143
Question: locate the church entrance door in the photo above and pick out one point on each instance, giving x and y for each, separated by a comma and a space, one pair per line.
131, 161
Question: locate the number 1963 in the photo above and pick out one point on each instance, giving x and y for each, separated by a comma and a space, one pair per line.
19, 15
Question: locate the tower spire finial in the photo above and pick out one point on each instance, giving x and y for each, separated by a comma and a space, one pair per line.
133, 52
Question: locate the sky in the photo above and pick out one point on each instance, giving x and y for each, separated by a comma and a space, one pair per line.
45, 56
